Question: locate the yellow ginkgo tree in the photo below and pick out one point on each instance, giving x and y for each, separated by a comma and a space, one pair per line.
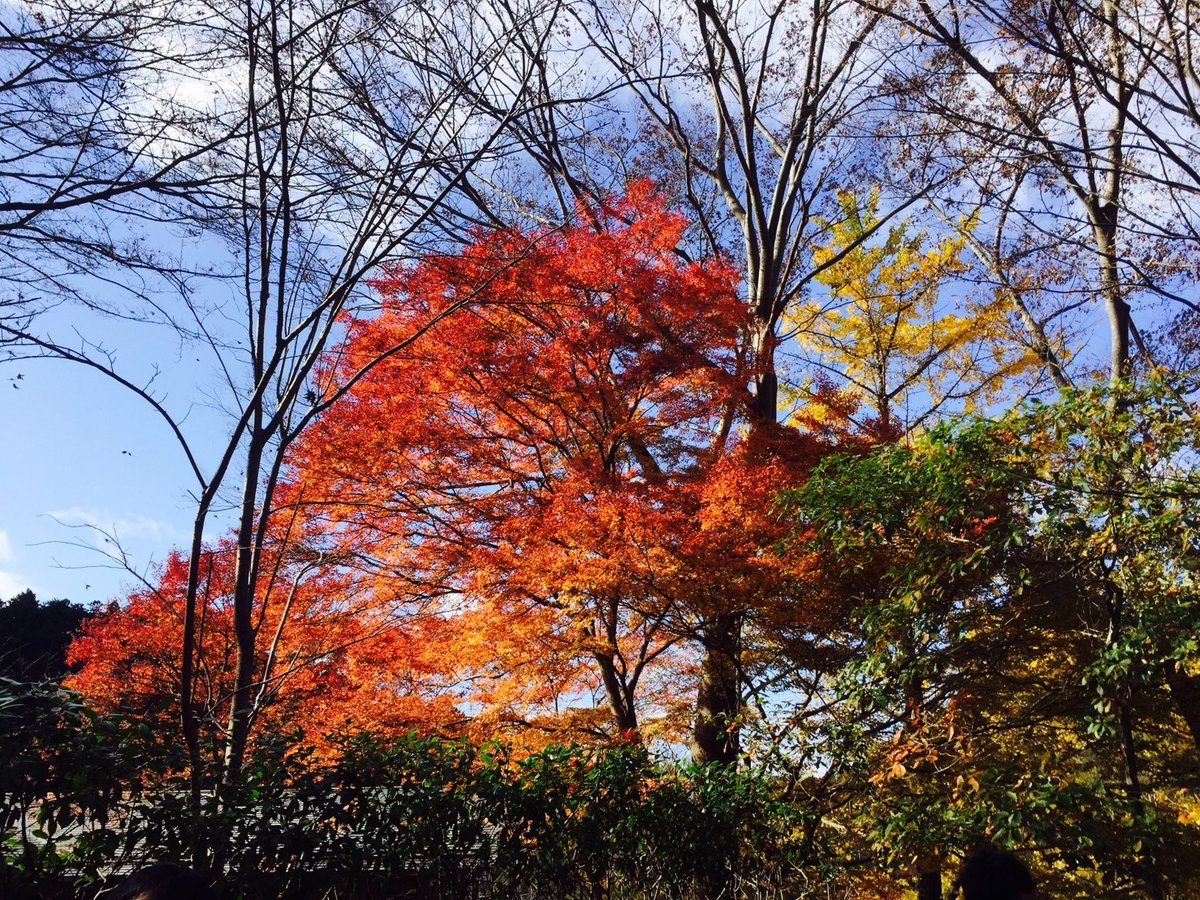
897, 327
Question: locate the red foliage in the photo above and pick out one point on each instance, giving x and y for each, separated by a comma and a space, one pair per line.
538, 489
561, 469
326, 665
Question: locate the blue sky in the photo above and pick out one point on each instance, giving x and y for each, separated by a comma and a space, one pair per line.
80, 451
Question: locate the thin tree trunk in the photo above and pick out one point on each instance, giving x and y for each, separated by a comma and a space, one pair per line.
1148, 868
620, 700
1105, 208
929, 865
241, 702
929, 885
187, 684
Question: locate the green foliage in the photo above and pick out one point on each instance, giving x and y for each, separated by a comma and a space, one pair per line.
1029, 611
69, 776
34, 636
413, 816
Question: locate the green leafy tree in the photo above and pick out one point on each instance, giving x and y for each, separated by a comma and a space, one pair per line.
34, 636
1028, 646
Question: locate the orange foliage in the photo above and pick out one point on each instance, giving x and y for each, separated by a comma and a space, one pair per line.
538, 489
561, 470
326, 665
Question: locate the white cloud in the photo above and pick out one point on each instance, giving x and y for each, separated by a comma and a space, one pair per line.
102, 524
11, 584
6, 552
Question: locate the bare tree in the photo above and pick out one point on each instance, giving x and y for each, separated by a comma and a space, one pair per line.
1057, 108
346, 130
90, 155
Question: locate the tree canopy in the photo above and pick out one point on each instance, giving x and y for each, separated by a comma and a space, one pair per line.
695, 405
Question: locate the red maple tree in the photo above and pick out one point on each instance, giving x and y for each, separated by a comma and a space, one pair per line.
565, 471
527, 522
328, 665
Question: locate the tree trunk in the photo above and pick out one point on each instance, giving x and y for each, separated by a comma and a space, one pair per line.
187, 684
766, 381
620, 698
929, 864
719, 697
1115, 306
245, 578
1185, 691
929, 885
1104, 211
1146, 868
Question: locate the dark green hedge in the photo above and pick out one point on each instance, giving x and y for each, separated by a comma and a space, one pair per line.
88, 797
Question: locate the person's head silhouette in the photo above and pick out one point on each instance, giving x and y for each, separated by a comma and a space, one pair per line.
991, 874
163, 881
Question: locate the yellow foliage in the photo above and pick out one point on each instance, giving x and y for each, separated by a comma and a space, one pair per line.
884, 327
